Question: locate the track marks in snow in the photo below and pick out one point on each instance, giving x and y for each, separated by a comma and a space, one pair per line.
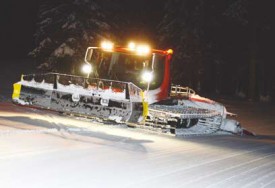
238, 172
186, 172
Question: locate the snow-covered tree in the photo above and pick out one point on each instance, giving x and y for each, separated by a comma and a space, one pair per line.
65, 29
184, 28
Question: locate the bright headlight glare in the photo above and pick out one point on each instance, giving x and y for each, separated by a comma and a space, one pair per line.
147, 76
143, 50
132, 46
87, 68
107, 45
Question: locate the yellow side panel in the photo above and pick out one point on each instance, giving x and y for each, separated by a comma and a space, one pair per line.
16, 91
145, 106
145, 109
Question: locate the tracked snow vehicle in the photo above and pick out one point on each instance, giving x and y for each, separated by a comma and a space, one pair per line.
129, 85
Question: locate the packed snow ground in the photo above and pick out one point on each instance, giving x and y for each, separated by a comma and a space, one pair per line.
44, 149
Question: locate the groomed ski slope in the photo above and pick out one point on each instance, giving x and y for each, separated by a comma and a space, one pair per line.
44, 149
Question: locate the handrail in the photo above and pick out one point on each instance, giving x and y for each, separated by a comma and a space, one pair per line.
180, 90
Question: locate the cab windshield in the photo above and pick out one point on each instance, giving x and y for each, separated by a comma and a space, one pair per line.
127, 67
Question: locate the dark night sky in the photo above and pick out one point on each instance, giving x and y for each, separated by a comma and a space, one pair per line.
17, 28
146, 15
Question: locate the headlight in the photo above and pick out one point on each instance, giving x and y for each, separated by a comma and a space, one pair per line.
132, 46
147, 76
108, 46
87, 68
143, 50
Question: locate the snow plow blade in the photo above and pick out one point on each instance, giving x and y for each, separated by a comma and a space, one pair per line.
105, 99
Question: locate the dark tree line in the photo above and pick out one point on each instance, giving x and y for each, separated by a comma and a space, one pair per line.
221, 46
